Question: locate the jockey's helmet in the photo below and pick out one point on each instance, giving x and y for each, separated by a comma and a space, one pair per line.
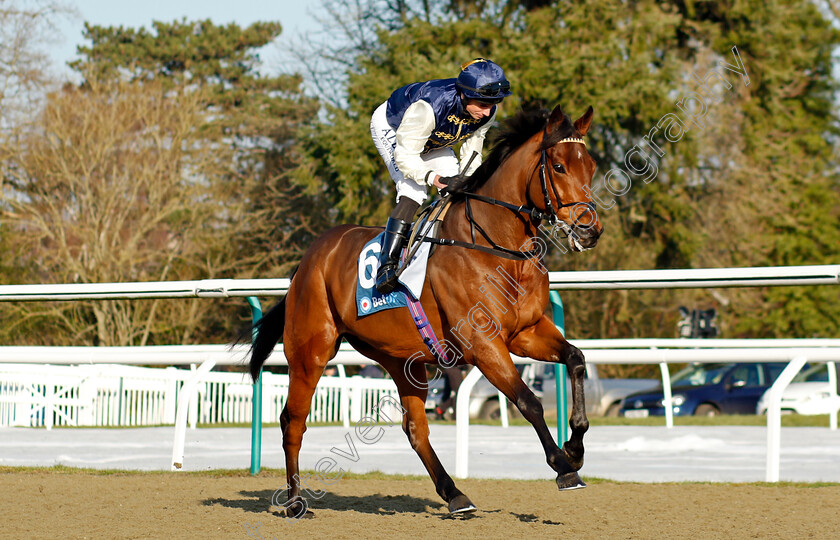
483, 80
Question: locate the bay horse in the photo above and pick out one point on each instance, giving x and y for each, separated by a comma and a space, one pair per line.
538, 169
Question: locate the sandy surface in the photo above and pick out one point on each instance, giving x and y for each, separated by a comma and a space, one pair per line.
57, 504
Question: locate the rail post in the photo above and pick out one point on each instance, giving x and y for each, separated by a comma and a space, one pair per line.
256, 399
774, 416
560, 372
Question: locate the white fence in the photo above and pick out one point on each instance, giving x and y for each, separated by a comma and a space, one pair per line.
115, 395
768, 276
226, 397
47, 396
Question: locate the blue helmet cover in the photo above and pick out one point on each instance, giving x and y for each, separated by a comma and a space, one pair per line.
484, 80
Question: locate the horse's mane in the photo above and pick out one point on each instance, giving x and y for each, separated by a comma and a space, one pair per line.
513, 134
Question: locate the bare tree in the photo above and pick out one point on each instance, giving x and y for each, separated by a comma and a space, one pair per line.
26, 29
115, 183
349, 31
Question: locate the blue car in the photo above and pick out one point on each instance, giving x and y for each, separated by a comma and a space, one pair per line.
707, 390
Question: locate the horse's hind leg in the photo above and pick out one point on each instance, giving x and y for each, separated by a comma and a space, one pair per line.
411, 382
306, 364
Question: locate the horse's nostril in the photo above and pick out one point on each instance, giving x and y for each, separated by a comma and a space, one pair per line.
595, 233
588, 231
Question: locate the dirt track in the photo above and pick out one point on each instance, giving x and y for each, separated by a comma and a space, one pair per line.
48, 504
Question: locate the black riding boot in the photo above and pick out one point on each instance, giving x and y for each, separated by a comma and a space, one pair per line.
396, 235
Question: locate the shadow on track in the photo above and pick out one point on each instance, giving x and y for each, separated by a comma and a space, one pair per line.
259, 502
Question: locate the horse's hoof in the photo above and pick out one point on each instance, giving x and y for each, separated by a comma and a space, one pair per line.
569, 481
309, 514
296, 511
461, 505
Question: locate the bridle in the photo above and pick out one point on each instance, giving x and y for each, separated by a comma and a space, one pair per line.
549, 214
545, 182
553, 219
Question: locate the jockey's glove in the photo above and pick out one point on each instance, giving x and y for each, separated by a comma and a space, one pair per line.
453, 183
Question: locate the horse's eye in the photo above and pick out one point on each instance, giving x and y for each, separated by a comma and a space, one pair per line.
559, 168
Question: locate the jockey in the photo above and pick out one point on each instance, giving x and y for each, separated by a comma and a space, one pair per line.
414, 132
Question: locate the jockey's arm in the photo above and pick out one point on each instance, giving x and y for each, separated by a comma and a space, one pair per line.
474, 143
414, 130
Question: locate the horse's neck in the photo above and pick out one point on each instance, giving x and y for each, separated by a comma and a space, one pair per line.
509, 182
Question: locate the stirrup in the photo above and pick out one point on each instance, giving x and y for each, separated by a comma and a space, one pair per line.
386, 279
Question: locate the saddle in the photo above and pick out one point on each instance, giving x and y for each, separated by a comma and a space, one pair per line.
412, 270
425, 228
411, 275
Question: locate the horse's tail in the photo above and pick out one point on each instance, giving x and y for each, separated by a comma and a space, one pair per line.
269, 330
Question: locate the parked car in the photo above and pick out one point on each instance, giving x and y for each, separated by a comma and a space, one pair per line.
484, 397
808, 393
602, 396
707, 390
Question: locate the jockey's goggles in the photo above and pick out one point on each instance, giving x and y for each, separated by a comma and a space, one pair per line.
494, 90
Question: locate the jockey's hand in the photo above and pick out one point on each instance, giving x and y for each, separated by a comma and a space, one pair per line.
451, 183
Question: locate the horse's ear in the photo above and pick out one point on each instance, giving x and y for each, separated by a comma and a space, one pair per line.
582, 124
556, 118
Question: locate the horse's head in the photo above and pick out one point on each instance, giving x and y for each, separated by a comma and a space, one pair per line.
565, 177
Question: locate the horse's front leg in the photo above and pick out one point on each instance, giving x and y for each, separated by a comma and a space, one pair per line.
495, 363
543, 341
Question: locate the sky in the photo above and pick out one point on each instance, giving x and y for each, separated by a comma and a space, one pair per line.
294, 15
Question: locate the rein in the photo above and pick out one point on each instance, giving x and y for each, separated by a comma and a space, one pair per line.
532, 212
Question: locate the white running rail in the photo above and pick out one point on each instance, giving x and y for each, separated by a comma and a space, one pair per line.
618, 279
699, 350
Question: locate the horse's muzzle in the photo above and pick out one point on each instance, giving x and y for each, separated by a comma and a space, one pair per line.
583, 238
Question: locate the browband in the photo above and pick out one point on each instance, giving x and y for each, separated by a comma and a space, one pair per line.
573, 139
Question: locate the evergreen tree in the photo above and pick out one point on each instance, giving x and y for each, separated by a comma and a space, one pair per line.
755, 185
